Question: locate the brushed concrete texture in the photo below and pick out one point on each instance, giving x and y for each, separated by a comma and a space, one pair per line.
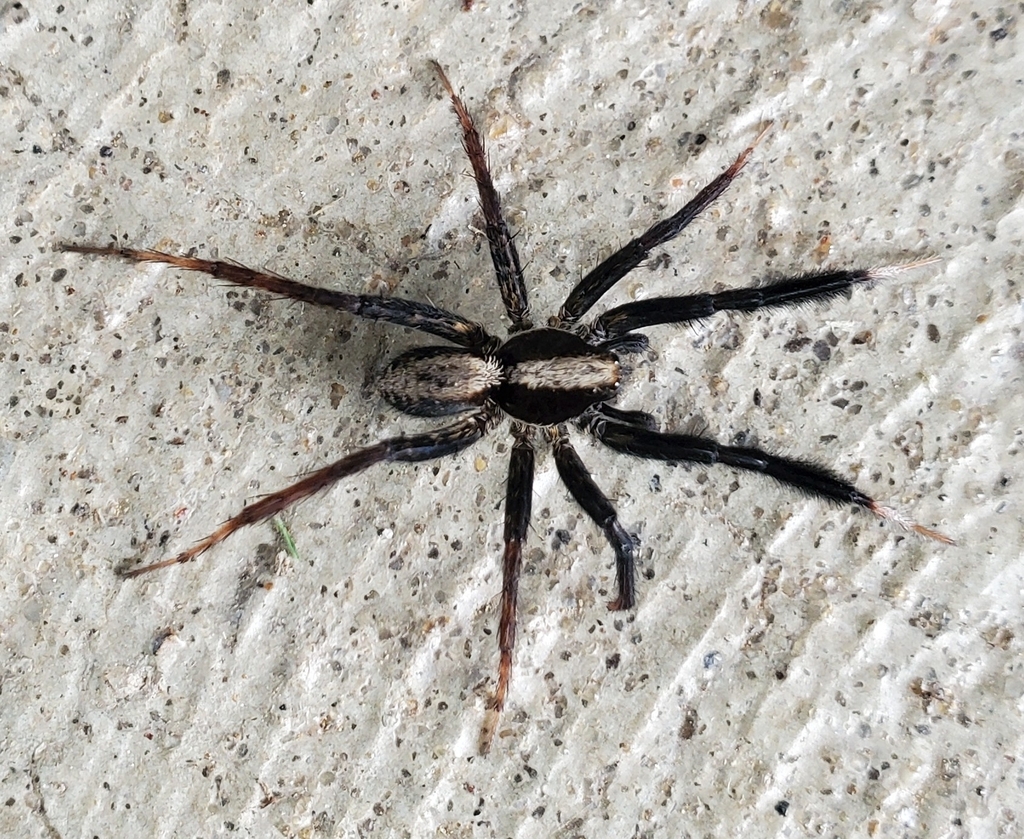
791, 669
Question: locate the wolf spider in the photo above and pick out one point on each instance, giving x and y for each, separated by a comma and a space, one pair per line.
545, 379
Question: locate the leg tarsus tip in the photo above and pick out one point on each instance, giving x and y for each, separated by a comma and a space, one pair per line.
898, 518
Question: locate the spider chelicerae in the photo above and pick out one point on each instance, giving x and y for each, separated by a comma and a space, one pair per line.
545, 379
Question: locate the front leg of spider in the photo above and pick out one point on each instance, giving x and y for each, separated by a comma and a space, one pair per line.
809, 478
647, 443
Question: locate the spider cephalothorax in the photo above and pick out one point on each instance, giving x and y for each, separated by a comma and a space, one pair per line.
542, 378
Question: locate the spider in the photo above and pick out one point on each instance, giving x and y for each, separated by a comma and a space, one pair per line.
545, 379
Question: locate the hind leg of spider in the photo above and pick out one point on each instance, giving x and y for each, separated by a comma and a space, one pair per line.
518, 501
617, 323
407, 313
596, 505
439, 443
504, 255
809, 478
596, 283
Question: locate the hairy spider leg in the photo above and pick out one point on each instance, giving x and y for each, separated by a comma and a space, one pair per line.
500, 240
642, 419
397, 310
814, 480
438, 443
596, 283
596, 505
518, 502
788, 291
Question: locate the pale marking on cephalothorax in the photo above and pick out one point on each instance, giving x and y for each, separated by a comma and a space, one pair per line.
568, 373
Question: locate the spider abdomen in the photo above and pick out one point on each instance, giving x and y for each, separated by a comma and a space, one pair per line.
551, 375
440, 381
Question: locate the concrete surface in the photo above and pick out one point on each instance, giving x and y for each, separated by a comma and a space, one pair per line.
791, 669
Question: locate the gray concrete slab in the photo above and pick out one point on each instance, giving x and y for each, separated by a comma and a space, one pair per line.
791, 669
